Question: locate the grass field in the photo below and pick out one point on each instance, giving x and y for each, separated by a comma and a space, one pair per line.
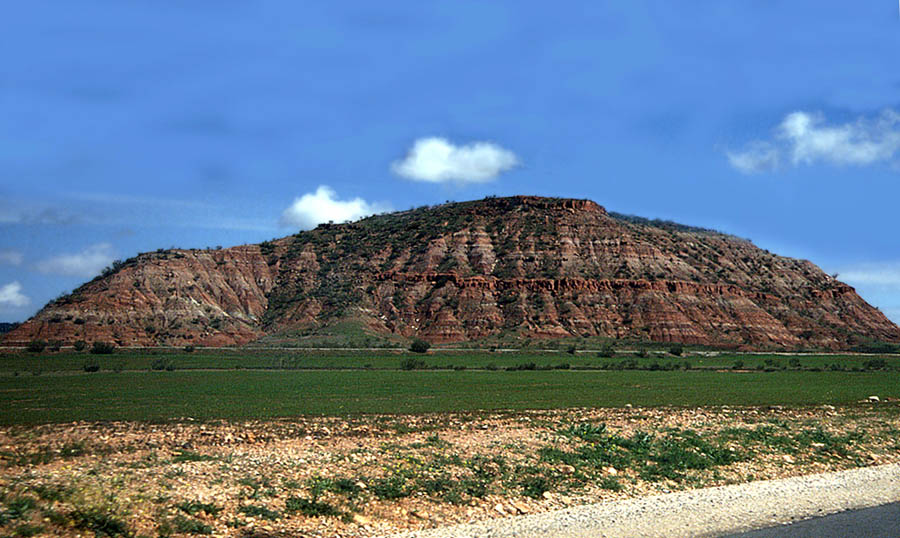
226, 359
254, 394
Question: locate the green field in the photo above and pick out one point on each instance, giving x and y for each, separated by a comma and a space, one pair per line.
255, 394
228, 359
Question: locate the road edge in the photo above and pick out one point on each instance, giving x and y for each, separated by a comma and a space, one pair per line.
700, 512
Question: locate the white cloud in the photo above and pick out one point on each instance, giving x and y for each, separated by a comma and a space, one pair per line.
436, 160
11, 295
861, 142
880, 274
323, 206
88, 262
757, 157
807, 138
11, 257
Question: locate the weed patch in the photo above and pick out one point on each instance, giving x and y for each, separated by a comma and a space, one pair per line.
256, 510
310, 507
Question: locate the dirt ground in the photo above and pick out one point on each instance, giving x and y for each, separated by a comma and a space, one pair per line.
373, 475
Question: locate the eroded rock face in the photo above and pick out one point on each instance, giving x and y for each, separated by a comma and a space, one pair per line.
175, 297
535, 267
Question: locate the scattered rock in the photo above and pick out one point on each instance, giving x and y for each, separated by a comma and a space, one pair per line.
360, 519
521, 508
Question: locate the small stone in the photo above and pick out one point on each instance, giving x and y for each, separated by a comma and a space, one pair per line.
874, 399
547, 495
628, 406
567, 469
611, 471
520, 507
360, 519
500, 508
361, 485
817, 445
788, 458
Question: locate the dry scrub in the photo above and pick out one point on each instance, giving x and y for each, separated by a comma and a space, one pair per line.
371, 475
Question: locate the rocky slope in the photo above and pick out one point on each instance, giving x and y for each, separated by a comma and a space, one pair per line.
525, 266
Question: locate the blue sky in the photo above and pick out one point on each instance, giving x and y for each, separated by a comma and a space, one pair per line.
131, 126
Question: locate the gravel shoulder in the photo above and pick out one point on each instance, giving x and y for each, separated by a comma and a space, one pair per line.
703, 512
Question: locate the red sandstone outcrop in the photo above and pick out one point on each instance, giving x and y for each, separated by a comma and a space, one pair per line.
527, 266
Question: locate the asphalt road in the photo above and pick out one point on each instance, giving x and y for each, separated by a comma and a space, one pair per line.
876, 522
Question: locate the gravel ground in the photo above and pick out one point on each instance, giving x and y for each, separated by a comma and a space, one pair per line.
703, 512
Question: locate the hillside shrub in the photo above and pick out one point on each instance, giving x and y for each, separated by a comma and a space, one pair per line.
607, 351
91, 365
419, 346
80, 345
36, 346
412, 363
103, 348
676, 350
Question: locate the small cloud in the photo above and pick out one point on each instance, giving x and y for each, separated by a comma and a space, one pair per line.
87, 263
50, 216
807, 138
880, 274
11, 257
125, 199
436, 160
757, 157
321, 206
11, 295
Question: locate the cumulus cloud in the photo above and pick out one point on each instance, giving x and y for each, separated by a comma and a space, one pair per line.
11, 295
11, 257
436, 160
807, 138
321, 206
88, 262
